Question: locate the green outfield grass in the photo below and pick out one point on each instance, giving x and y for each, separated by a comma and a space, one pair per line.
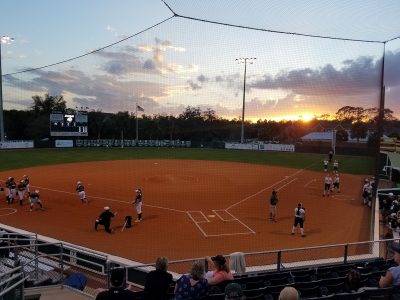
15, 159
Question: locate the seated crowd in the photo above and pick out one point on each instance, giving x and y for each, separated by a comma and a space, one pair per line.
228, 280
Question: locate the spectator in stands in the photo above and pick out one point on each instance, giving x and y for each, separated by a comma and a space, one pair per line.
387, 203
392, 276
158, 281
117, 290
193, 285
234, 291
289, 293
237, 263
353, 281
221, 270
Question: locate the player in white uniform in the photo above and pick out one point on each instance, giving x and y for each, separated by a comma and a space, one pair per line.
21, 191
336, 183
365, 191
326, 162
335, 166
327, 185
299, 218
138, 203
81, 192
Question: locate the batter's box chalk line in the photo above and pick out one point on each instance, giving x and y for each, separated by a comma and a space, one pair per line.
206, 220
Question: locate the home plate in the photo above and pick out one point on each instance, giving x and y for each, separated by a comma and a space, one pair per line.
211, 216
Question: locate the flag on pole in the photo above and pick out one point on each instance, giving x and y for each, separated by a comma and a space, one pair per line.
139, 108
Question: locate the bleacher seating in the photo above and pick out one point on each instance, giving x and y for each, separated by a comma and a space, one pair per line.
267, 286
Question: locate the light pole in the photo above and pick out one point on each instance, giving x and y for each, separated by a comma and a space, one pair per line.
3, 40
245, 61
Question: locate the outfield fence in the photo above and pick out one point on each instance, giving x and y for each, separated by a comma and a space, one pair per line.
132, 143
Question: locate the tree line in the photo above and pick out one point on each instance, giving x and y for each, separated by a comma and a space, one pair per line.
194, 124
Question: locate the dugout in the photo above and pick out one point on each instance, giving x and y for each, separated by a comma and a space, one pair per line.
390, 167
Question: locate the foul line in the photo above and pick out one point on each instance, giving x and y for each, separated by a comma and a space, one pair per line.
308, 183
263, 190
252, 231
109, 199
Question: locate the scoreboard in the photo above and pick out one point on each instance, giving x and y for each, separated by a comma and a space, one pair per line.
70, 123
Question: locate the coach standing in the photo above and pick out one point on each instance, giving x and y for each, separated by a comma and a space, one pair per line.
272, 206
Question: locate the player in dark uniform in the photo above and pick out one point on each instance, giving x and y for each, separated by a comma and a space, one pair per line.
138, 203
272, 206
299, 218
35, 198
21, 191
105, 219
330, 155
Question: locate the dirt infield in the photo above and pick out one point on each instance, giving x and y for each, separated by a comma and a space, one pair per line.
190, 208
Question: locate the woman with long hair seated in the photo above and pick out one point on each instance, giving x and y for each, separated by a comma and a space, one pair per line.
193, 285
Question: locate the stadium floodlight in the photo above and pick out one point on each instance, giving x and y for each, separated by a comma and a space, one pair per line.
3, 40
245, 61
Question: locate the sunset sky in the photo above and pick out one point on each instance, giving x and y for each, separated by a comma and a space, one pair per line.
184, 62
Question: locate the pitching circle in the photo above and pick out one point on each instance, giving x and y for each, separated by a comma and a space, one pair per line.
343, 197
3, 211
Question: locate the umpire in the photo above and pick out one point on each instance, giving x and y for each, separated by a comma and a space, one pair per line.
105, 219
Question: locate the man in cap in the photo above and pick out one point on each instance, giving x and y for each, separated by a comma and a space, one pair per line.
117, 290
234, 291
105, 219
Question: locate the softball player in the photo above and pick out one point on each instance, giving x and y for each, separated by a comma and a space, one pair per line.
138, 203
21, 191
336, 183
327, 186
7, 190
326, 162
26, 182
335, 166
12, 187
81, 191
34, 198
366, 189
299, 218
330, 155
272, 206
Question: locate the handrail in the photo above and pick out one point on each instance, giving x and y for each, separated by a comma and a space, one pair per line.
10, 271
13, 286
11, 278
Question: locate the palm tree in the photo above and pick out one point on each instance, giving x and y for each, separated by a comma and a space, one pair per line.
48, 103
